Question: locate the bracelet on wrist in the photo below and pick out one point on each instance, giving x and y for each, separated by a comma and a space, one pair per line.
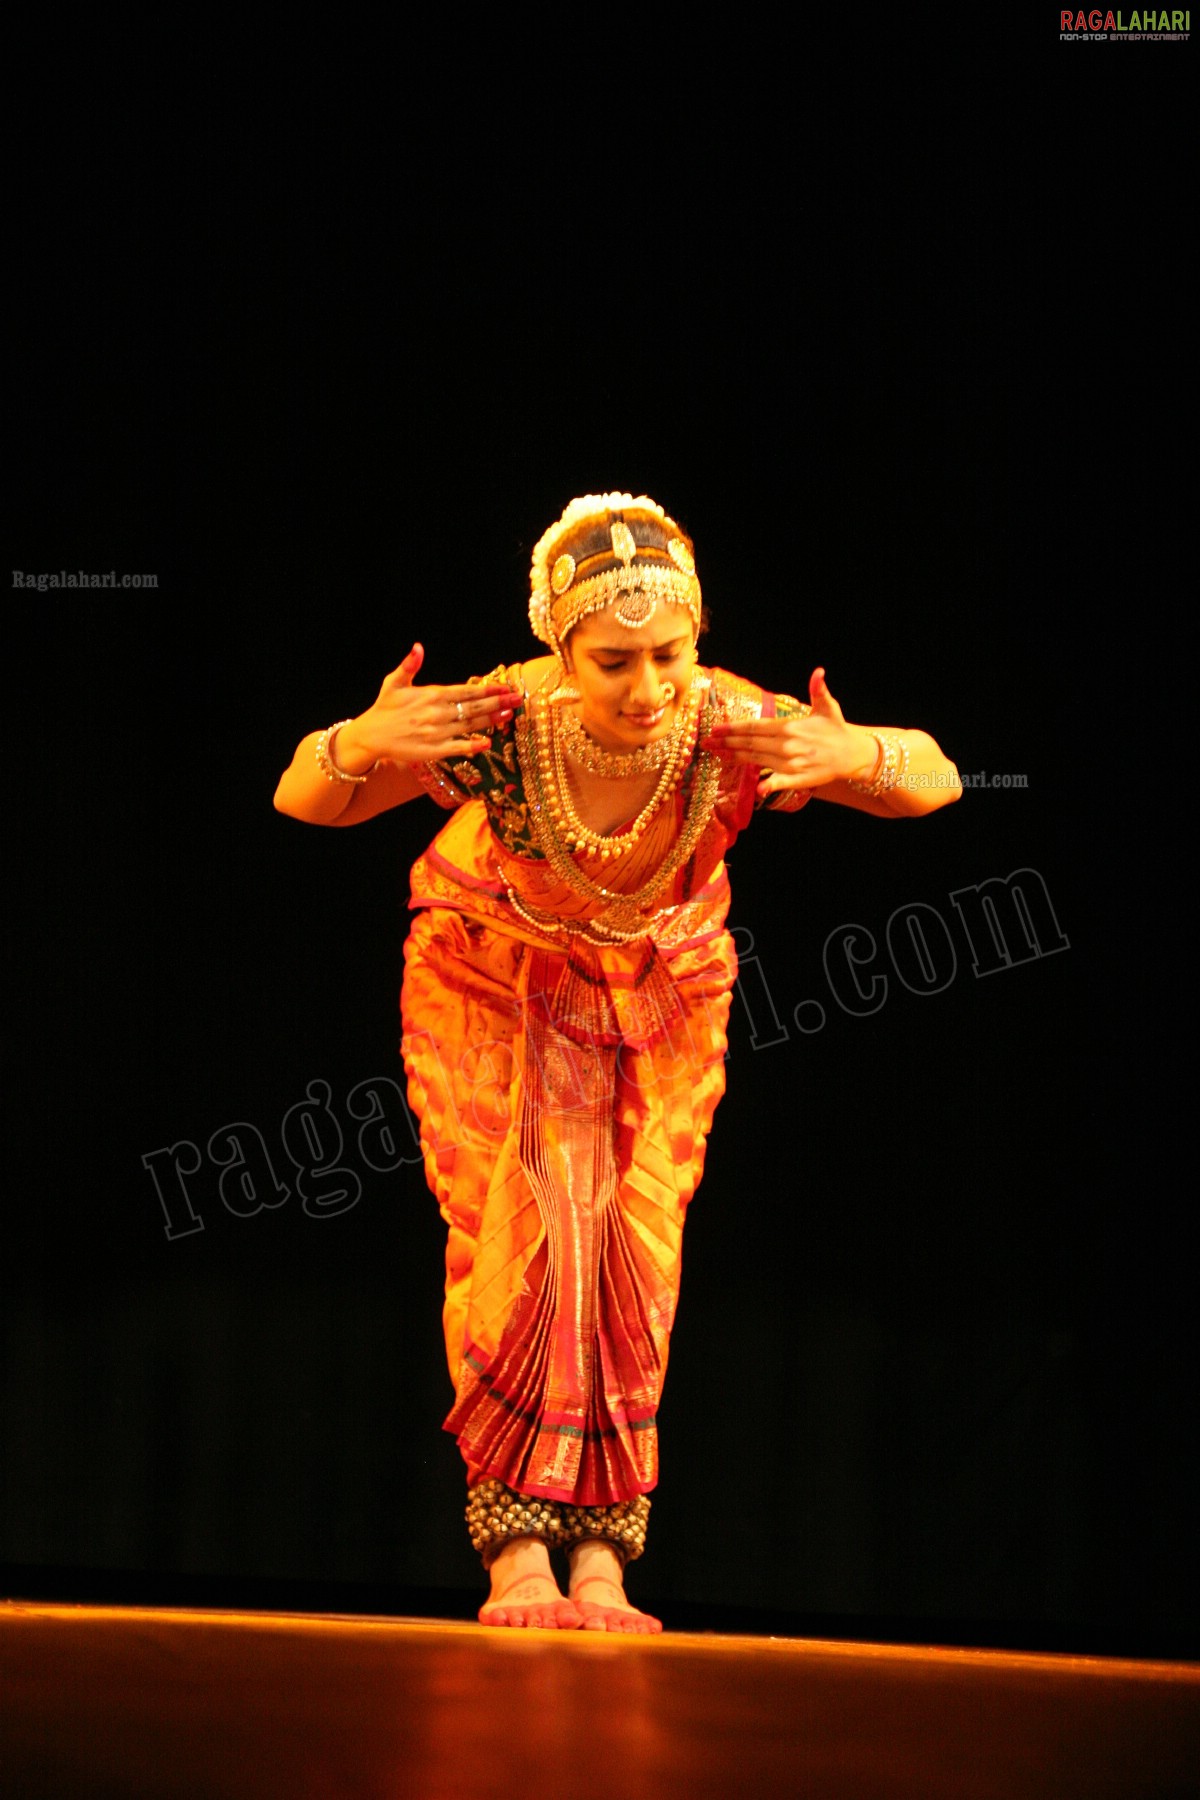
866, 784
891, 766
325, 757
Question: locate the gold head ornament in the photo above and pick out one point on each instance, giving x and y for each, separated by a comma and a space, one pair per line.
610, 550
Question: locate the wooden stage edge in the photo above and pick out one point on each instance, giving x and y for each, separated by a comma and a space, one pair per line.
146, 1701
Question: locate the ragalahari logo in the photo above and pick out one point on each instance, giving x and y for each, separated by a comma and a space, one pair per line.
1111, 27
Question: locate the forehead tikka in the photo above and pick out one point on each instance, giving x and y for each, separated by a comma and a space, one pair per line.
635, 607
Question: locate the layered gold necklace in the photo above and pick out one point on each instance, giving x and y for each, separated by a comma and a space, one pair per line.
542, 747
553, 761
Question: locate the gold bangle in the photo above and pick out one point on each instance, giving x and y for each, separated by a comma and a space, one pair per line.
325, 762
891, 766
894, 764
902, 769
868, 785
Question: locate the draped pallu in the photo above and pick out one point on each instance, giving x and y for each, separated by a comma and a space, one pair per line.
565, 1087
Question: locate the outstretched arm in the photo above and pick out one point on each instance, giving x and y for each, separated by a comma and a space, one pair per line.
373, 754
821, 753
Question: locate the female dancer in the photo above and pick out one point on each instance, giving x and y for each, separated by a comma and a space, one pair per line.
566, 992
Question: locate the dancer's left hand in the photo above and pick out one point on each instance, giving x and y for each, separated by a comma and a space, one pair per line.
802, 752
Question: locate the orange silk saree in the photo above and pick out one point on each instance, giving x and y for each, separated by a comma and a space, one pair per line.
565, 1088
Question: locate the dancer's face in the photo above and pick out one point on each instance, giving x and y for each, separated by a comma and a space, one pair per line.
624, 677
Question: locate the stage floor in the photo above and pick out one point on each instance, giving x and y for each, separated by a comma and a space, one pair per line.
107, 1701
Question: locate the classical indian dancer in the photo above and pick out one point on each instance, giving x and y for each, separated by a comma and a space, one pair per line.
567, 987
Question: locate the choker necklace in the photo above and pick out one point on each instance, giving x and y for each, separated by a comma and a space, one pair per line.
614, 764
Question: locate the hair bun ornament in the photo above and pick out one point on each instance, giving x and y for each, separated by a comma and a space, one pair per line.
607, 550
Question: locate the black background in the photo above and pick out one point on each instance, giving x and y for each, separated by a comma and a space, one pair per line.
324, 334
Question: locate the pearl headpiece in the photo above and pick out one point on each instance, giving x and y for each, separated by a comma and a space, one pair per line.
610, 550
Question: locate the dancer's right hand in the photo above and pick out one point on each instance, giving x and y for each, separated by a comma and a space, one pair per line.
409, 724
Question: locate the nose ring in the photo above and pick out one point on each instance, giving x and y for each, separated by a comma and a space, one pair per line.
668, 692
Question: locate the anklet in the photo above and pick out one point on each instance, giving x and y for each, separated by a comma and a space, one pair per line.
496, 1515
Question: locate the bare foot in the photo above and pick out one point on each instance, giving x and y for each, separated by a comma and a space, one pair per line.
597, 1567
525, 1593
